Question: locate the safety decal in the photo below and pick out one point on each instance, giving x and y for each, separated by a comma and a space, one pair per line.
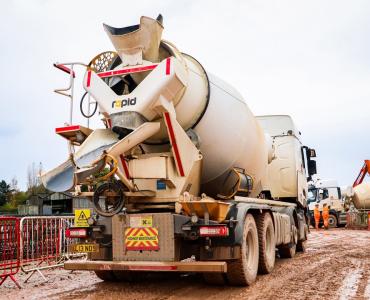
137, 239
81, 216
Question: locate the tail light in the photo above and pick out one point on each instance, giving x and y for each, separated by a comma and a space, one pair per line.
213, 231
76, 232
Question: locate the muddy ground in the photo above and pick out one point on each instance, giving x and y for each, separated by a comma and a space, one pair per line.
336, 265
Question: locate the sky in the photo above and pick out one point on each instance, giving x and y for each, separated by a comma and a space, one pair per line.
309, 59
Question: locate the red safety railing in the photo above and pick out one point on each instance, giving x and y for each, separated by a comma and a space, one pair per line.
32, 244
43, 243
358, 220
9, 248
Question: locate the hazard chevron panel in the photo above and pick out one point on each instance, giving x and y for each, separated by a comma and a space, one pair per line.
137, 239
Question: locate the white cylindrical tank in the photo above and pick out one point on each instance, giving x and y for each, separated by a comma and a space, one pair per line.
361, 196
229, 135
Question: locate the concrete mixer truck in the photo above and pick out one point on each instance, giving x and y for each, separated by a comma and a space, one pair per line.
183, 177
357, 199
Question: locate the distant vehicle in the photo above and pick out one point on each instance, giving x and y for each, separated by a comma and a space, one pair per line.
327, 191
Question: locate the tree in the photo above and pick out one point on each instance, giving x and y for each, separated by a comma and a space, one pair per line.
5, 191
32, 180
14, 185
34, 185
16, 196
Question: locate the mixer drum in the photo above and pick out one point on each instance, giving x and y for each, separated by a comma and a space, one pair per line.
228, 134
213, 112
361, 197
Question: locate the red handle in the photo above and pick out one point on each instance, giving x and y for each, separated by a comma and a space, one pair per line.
65, 69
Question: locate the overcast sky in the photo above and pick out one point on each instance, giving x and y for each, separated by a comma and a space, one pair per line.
309, 59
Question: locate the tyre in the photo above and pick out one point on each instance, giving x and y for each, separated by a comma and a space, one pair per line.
109, 199
214, 278
243, 271
129, 276
122, 275
289, 250
333, 222
106, 275
302, 244
266, 243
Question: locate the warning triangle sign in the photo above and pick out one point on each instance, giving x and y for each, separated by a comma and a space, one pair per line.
82, 216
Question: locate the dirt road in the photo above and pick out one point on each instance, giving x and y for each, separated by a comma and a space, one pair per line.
336, 265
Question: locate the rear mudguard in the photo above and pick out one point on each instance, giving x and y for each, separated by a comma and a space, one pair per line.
238, 212
236, 215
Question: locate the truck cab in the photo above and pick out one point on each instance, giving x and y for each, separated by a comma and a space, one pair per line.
291, 162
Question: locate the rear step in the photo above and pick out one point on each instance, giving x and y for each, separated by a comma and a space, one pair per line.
194, 266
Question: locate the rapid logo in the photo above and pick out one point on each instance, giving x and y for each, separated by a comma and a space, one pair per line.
124, 102
137, 239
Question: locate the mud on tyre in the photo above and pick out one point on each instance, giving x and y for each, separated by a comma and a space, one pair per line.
266, 243
243, 271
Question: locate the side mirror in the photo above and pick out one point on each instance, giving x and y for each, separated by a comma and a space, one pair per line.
339, 193
311, 167
311, 152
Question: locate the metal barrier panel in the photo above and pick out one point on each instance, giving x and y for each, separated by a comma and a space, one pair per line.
43, 239
358, 220
9, 248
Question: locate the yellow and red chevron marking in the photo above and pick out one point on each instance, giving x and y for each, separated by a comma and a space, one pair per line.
141, 238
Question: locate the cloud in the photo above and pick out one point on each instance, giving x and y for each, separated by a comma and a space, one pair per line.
308, 59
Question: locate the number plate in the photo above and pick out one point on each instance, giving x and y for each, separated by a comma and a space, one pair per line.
84, 248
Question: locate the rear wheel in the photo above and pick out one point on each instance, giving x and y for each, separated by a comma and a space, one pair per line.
128, 276
214, 278
243, 271
302, 244
266, 243
122, 275
289, 250
333, 222
106, 275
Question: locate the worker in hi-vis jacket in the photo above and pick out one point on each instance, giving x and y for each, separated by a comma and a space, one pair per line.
325, 215
316, 214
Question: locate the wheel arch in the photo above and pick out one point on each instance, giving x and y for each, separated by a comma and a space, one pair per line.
239, 212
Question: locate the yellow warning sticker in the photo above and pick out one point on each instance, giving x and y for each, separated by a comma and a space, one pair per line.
81, 216
141, 221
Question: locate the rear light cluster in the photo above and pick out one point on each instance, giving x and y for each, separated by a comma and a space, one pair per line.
76, 233
213, 231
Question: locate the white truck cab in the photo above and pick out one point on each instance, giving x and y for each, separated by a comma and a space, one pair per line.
327, 191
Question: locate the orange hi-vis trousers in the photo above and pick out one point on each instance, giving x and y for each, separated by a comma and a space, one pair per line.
316, 214
325, 217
